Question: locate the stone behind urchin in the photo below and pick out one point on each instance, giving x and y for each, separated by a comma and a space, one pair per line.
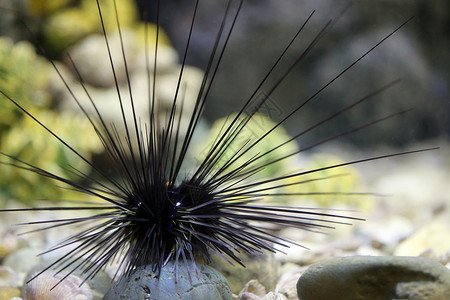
144, 284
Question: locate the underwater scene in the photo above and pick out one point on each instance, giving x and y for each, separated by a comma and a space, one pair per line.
232, 149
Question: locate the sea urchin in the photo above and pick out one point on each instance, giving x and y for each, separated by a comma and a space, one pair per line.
156, 212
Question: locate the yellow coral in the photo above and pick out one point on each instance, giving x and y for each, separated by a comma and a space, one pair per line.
33, 145
150, 31
44, 7
126, 9
258, 125
7, 292
329, 187
326, 188
70, 24
23, 77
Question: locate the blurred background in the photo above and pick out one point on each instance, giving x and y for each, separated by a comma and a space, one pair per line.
415, 190
417, 54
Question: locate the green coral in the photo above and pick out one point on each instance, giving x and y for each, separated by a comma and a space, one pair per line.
258, 125
65, 28
24, 77
70, 24
325, 188
45, 7
29, 142
147, 32
331, 186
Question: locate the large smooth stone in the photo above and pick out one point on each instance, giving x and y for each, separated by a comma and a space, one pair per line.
143, 283
375, 278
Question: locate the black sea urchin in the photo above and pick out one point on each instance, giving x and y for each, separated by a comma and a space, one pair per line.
155, 210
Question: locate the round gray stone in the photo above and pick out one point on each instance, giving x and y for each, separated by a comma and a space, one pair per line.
375, 278
144, 284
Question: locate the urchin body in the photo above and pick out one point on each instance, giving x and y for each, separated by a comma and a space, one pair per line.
163, 219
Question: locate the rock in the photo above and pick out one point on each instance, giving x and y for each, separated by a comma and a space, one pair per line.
379, 278
92, 63
143, 283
